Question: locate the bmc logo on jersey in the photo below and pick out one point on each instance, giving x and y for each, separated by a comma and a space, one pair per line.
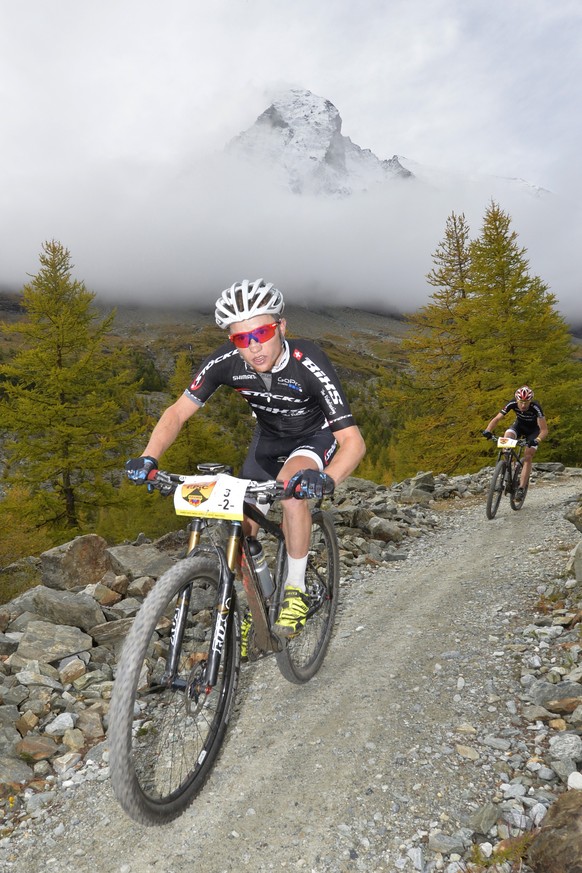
328, 385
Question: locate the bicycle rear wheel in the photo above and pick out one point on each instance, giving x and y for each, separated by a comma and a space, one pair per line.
303, 655
164, 736
515, 503
495, 492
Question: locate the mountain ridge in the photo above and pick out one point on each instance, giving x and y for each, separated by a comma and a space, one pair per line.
299, 137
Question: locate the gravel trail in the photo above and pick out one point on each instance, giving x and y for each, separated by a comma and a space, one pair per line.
350, 771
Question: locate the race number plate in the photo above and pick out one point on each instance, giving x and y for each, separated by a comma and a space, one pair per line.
506, 443
219, 496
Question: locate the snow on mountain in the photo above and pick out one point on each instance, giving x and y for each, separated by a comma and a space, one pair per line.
299, 138
368, 223
437, 178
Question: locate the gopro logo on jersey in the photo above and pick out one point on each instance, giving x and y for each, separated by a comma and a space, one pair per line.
328, 385
290, 383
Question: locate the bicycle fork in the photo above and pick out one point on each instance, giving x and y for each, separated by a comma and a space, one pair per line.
508, 478
206, 677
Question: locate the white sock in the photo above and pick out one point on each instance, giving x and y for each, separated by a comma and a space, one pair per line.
296, 572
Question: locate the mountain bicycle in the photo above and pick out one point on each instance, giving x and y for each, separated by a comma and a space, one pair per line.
177, 677
506, 475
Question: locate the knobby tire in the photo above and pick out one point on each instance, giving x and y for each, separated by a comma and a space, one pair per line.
163, 741
303, 655
496, 487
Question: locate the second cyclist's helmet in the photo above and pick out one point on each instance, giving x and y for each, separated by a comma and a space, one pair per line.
524, 394
246, 299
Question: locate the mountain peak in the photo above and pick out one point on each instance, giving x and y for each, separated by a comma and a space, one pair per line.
299, 137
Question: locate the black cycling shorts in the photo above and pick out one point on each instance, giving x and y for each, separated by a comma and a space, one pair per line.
521, 429
267, 454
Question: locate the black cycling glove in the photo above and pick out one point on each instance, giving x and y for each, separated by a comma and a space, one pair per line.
532, 442
309, 483
487, 434
137, 469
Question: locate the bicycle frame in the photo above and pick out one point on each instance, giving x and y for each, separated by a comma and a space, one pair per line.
511, 450
506, 474
236, 557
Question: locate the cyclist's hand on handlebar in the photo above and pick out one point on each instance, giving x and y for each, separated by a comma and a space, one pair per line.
487, 434
137, 469
309, 483
532, 442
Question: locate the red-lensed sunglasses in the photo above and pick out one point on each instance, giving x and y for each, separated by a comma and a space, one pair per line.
261, 334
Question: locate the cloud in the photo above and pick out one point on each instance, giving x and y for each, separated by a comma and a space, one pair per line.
149, 233
115, 117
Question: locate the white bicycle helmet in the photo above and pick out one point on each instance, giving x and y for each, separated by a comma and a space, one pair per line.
246, 299
524, 394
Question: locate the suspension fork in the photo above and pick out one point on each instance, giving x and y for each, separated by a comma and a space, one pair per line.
508, 477
179, 619
515, 466
222, 612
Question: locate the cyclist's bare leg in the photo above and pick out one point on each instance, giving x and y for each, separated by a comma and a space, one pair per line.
526, 469
250, 528
296, 513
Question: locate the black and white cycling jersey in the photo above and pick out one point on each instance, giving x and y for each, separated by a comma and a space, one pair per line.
299, 396
527, 416
526, 420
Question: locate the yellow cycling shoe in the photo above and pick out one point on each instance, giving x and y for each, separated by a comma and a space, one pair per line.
245, 627
293, 613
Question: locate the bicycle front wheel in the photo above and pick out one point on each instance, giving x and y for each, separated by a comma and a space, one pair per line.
495, 492
165, 732
303, 655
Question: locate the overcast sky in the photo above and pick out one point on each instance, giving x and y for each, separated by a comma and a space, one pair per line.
114, 114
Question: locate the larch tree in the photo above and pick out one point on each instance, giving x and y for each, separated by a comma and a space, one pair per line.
430, 393
68, 405
470, 350
519, 337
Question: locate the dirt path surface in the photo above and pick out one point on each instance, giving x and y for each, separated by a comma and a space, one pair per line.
342, 773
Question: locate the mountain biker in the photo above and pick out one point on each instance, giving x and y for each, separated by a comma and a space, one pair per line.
530, 423
304, 423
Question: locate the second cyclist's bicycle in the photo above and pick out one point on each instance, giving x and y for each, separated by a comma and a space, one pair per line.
506, 475
177, 677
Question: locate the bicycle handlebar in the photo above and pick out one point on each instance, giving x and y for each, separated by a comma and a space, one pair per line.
520, 442
166, 483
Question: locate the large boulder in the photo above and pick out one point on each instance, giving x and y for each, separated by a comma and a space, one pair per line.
549, 467
60, 607
75, 564
135, 561
574, 514
558, 846
46, 642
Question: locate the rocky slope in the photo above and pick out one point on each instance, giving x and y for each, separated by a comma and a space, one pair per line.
444, 717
